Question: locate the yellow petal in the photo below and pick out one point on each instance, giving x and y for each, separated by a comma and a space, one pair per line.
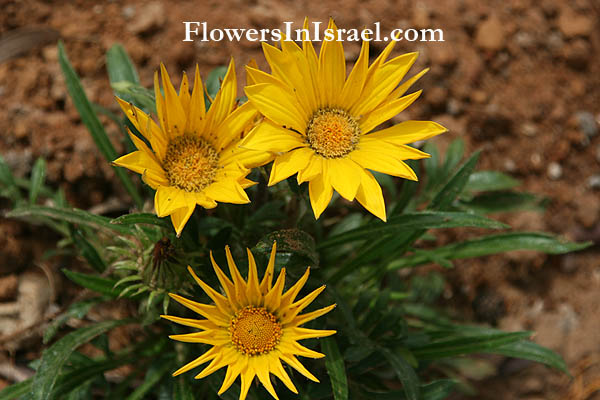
289, 163
265, 283
268, 136
220, 300
238, 281
400, 90
247, 378
262, 371
273, 297
232, 128
384, 80
197, 108
174, 113
297, 365
304, 333
233, 370
180, 217
142, 163
184, 94
209, 312
252, 290
304, 318
320, 192
168, 199
312, 170
332, 68
379, 156
344, 175
147, 127
370, 196
194, 323
227, 191
225, 282
277, 369
289, 296
277, 105
386, 111
223, 103
209, 355
356, 80
408, 132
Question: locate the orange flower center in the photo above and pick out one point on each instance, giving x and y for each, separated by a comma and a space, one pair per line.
332, 132
255, 331
190, 163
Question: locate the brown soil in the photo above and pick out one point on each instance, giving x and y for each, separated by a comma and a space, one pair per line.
518, 78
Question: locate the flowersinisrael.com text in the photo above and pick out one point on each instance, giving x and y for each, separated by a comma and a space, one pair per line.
195, 30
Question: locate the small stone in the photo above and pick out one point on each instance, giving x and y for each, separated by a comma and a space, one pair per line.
555, 43
479, 96
529, 129
593, 182
151, 16
525, 39
509, 165
490, 35
443, 54
128, 12
554, 171
577, 54
587, 123
454, 107
588, 209
572, 24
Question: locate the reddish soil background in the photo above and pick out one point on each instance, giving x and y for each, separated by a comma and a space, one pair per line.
519, 79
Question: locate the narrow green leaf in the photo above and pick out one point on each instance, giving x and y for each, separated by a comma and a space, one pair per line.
8, 186
153, 377
438, 390
72, 215
182, 390
38, 174
141, 218
334, 362
494, 202
88, 251
470, 344
91, 121
119, 65
446, 196
136, 94
56, 355
98, 284
17, 390
405, 373
75, 310
482, 181
492, 244
532, 351
410, 221
213, 82
454, 154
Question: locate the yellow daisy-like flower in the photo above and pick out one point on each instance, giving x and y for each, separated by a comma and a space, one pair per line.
253, 327
194, 156
319, 122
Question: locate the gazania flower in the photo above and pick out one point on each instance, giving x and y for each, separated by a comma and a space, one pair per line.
193, 156
320, 123
253, 327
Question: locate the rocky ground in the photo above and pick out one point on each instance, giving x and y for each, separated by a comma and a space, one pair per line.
518, 78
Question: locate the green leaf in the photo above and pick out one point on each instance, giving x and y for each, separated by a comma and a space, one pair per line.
153, 377
334, 362
405, 373
72, 215
98, 284
409, 221
482, 181
454, 154
38, 174
8, 187
56, 355
17, 390
446, 196
438, 390
469, 344
182, 390
294, 242
492, 244
76, 310
141, 218
532, 351
213, 82
119, 65
91, 121
136, 94
88, 251
494, 202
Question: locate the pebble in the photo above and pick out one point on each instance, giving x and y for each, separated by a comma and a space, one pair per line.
554, 171
454, 107
572, 24
128, 12
151, 16
529, 129
490, 35
577, 53
587, 123
594, 181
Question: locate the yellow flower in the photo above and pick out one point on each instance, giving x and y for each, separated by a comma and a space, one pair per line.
194, 156
319, 122
253, 327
